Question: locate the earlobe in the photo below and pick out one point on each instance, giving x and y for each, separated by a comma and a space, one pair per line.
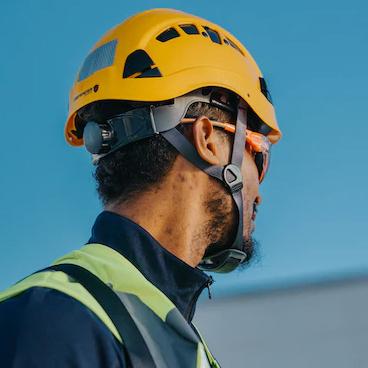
203, 136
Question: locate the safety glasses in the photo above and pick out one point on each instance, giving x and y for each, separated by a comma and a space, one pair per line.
258, 144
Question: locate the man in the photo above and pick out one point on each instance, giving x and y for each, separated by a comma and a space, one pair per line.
179, 122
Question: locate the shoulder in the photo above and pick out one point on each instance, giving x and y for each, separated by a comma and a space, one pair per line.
45, 328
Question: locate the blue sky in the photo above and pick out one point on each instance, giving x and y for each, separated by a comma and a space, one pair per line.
313, 220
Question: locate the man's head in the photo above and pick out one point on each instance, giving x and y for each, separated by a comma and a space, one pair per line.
132, 105
143, 168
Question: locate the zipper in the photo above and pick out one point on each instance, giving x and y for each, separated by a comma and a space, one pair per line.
207, 285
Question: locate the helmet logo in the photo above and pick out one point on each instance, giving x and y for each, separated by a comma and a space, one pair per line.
87, 92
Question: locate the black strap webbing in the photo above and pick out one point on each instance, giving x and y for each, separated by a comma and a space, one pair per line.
136, 348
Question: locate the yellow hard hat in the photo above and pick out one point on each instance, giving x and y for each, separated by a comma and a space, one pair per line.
161, 54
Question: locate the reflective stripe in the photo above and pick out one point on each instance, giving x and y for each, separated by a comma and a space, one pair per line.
211, 358
202, 361
61, 282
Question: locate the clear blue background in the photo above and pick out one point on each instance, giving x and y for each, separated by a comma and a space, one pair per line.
313, 220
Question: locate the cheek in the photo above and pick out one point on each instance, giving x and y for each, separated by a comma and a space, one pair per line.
250, 174
251, 182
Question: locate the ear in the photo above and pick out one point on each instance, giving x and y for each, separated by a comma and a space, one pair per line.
204, 140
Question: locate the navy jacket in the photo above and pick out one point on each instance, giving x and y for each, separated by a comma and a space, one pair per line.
44, 328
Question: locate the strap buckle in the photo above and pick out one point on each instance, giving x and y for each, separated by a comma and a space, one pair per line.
233, 178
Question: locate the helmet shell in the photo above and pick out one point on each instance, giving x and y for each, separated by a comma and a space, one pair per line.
161, 54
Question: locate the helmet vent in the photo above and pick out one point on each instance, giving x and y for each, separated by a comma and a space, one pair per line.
189, 29
233, 45
214, 36
167, 35
139, 65
98, 59
264, 89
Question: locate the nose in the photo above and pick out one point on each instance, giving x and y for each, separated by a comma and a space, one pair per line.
258, 200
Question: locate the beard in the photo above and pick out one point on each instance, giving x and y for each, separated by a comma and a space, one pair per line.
222, 227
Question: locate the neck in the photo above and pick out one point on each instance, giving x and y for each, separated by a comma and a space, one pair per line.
173, 213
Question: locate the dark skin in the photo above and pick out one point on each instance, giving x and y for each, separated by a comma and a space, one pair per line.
180, 212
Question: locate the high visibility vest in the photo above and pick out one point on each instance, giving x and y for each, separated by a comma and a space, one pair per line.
168, 336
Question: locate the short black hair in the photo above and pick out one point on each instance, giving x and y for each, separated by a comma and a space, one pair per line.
138, 166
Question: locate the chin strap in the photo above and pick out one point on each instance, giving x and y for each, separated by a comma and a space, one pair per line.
221, 260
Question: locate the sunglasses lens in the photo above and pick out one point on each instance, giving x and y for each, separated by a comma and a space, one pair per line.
262, 160
260, 145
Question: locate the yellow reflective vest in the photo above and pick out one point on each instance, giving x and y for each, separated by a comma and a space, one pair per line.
170, 339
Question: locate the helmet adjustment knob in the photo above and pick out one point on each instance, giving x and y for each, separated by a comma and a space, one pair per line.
98, 137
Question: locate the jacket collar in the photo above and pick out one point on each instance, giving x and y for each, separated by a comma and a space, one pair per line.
181, 283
